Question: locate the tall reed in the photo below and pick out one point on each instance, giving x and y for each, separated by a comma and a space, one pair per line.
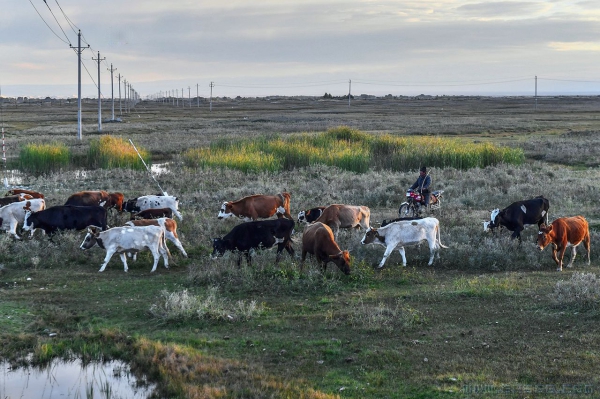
114, 152
40, 158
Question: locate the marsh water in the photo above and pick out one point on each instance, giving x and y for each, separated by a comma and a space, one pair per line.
72, 379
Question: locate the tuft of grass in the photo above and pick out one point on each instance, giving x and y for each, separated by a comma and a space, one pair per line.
382, 316
582, 291
114, 152
43, 158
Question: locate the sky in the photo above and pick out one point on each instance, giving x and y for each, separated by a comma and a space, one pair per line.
305, 47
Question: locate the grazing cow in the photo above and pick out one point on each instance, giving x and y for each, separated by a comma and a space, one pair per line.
145, 202
257, 206
13, 214
338, 216
153, 214
167, 224
318, 240
563, 233
97, 198
404, 233
17, 191
65, 217
14, 198
518, 214
128, 239
310, 215
255, 235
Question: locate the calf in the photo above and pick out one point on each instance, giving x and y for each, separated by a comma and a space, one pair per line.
65, 217
153, 214
17, 191
338, 216
168, 225
128, 239
97, 198
404, 233
515, 216
13, 198
310, 215
318, 240
254, 235
13, 214
257, 206
563, 233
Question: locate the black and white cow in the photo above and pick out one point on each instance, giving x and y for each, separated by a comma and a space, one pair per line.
145, 202
310, 215
123, 240
255, 235
515, 216
405, 233
65, 217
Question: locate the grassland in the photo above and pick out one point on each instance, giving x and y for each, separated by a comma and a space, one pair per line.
490, 315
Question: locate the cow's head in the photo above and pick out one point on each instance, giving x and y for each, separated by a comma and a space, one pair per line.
544, 237
131, 206
342, 260
370, 236
493, 222
219, 247
302, 217
91, 238
225, 211
29, 222
115, 200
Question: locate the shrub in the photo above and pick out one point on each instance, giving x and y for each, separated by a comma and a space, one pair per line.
114, 152
39, 158
582, 291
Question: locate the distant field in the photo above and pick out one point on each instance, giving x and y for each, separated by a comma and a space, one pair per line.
484, 318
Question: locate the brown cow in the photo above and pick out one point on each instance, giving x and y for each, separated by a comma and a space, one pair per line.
168, 225
563, 233
153, 213
14, 198
318, 240
17, 191
97, 198
257, 206
338, 216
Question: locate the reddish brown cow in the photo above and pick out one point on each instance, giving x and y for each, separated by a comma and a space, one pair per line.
318, 240
97, 198
14, 198
17, 191
257, 206
168, 225
153, 213
563, 233
339, 216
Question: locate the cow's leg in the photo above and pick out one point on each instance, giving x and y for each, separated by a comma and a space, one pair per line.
176, 212
177, 243
388, 251
573, 255
517, 233
156, 256
248, 258
403, 254
13, 229
124, 260
586, 245
432, 251
558, 262
164, 252
303, 259
109, 255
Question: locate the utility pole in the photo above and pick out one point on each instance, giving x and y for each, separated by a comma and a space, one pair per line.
79, 49
349, 91
112, 91
197, 96
212, 84
177, 96
120, 106
536, 92
190, 96
125, 93
99, 93
182, 99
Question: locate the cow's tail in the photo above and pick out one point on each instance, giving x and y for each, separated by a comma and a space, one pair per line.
163, 239
438, 237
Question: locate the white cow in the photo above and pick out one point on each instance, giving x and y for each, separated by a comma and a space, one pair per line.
128, 239
168, 225
403, 233
13, 214
156, 202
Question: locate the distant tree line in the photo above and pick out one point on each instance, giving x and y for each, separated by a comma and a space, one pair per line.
329, 96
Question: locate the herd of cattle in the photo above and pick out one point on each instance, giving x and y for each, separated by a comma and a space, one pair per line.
151, 225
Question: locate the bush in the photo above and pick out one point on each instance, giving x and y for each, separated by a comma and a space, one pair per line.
40, 158
582, 291
114, 152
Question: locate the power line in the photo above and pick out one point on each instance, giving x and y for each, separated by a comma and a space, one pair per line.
572, 80
441, 84
51, 30
71, 24
58, 23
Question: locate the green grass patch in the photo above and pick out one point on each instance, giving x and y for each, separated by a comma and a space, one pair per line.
351, 150
113, 152
42, 158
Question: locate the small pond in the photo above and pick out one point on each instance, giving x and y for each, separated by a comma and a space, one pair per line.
73, 379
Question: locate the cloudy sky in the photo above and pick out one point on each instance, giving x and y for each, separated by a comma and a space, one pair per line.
304, 47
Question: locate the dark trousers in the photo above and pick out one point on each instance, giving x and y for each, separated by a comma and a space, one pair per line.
426, 196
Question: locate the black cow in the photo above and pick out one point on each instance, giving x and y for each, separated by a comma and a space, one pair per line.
518, 214
255, 235
310, 215
66, 217
386, 222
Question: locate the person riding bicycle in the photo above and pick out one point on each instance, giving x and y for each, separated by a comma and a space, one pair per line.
422, 185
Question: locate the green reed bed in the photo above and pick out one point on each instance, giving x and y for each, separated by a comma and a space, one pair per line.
39, 158
113, 152
351, 150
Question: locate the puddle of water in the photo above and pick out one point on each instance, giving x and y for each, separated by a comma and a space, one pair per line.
72, 379
158, 168
12, 177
